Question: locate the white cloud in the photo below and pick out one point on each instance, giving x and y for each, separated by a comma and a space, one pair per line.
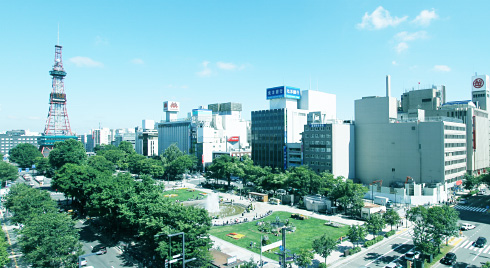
379, 19
406, 36
442, 68
226, 65
206, 71
85, 62
425, 17
394, 63
137, 61
402, 46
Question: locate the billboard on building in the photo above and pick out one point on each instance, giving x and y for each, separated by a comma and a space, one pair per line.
479, 82
234, 139
202, 112
283, 92
171, 106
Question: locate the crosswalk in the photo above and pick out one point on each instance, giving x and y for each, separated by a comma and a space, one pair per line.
475, 209
469, 245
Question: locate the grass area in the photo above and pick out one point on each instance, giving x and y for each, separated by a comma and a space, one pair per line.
306, 231
444, 249
184, 194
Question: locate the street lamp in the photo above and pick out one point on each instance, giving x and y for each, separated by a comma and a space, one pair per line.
184, 261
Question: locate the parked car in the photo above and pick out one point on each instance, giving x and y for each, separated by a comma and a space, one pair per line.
412, 255
480, 242
467, 226
393, 265
482, 192
449, 259
99, 250
281, 192
83, 262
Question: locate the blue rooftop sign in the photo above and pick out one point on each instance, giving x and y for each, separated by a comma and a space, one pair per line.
283, 92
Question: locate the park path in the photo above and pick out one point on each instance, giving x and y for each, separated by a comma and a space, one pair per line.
241, 253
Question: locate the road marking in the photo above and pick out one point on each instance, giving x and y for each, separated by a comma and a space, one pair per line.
464, 244
389, 252
477, 255
486, 250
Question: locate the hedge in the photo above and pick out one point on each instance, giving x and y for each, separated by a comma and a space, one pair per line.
390, 233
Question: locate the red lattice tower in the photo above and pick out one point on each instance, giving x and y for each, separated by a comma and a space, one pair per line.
57, 124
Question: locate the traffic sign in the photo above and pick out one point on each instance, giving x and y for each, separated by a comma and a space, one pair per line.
27, 169
33, 166
20, 170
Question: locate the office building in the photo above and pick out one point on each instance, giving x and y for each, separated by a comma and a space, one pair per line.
146, 138
329, 145
276, 133
12, 138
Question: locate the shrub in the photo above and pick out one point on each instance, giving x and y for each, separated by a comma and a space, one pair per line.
373, 241
390, 233
355, 250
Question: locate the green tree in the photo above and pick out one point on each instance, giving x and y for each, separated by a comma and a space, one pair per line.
391, 217
171, 153
180, 165
356, 233
24, 155
444, 221
353, 194
152, 167
49, 239
117, 157
305, 180
42, 165
126, 147
4, 255
273, 181
27, 203
7, 172
324, 245
431, 226
471, 182
375, 224
69, 151
101, 164
486, 265
224, 167
304, 257
133, 161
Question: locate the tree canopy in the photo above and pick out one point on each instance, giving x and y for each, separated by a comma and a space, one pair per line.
324, 245
7, 172
24, 154
69, 151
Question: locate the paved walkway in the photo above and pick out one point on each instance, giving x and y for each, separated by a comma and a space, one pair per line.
261, 210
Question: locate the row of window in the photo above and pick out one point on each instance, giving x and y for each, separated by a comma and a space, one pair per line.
319, 142
317, 135
455, 136
316, 128
318, 156
453, 162
318, 163
454, 170
318, 150
455, 153
448, 127
450, 145
482, 95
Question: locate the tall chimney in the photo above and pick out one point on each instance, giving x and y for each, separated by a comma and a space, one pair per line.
388, 86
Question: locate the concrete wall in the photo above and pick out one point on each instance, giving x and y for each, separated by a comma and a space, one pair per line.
343, 150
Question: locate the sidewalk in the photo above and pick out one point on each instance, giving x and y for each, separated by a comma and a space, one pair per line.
241, 253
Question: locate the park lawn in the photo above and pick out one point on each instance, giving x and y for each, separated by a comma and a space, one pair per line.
184, 194
306, 231
444, 249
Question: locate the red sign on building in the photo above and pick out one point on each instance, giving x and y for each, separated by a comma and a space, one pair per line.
478, 83
234, 139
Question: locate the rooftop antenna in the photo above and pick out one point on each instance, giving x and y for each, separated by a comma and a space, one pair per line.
58, 43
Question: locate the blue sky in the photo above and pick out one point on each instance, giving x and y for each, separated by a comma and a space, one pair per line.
124, 58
